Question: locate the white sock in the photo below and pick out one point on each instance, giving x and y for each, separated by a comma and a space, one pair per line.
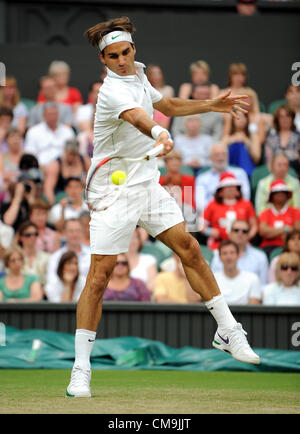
84, 341
219, 309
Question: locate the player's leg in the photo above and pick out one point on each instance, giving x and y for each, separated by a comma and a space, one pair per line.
230, 336
89, 310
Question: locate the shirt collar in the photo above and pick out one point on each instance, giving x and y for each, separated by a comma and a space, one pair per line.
139, 72
281, 211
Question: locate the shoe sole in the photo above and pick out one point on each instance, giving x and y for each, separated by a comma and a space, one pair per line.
219, 346
79, 395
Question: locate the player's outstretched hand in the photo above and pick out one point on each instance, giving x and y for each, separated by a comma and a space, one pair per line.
230, 104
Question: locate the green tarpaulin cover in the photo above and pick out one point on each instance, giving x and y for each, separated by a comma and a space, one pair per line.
44, 349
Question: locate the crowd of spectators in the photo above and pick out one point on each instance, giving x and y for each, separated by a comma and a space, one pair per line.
236, 180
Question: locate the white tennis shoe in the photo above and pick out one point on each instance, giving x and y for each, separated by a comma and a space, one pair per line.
79, 386
234, 341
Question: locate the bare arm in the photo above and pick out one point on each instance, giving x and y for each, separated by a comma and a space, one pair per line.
223, 103
51, 173
267, 231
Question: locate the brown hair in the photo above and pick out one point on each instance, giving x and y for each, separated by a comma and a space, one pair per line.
289, 112
66, 257
22, 228
38, 204
288, 237
219, 199
237, 68
11, 81
228, 243
96, 33
287, 258
8, 252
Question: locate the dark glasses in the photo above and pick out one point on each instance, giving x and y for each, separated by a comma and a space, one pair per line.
286, 267
121, 263
30, 234
245, 231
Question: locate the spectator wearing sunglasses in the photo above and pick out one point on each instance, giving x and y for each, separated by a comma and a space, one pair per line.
285, 291
250, 258
35, 261
292, 244
122, 287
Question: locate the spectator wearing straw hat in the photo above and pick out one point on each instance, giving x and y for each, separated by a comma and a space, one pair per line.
279, 219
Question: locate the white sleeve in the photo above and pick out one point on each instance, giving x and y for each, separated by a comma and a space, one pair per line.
155, 94
268, 295
115, 101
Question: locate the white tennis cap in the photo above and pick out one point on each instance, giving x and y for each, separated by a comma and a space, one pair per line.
113, 37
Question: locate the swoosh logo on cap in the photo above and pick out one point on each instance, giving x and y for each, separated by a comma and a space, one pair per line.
224, 340
114, 37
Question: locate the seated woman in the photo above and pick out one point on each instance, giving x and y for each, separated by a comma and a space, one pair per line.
200, 73
285, 291
70, 164
122, 287
283, 137
244, 146
10, 161
279, 219
291, 244
143, 266
156, 78
10, 97
16, 285
66, 94
69, 283
227, 207
35, 261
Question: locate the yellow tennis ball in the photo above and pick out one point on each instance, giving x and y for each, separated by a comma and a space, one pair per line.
118, 177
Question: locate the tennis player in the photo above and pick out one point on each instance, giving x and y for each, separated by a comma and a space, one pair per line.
124, 126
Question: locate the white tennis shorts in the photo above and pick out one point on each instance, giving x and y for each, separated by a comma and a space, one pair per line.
147, 204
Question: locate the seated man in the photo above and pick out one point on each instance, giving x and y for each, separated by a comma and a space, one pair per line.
237, 286
173, 286
250, 258
70, 206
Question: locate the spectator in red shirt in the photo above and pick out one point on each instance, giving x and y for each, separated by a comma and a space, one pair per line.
279, 219
174, 178
66, 94
227, 207
181, 187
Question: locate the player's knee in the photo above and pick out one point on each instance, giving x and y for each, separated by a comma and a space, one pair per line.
97, 284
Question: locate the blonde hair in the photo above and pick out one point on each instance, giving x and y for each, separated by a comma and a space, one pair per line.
8, 252
200, 64
58, 65
237, 68
287, 258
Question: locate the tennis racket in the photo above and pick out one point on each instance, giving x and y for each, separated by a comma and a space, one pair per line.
100, 191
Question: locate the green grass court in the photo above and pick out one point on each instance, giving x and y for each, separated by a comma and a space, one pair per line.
151, 392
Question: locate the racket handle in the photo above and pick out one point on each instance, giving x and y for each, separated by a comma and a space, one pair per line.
155, 151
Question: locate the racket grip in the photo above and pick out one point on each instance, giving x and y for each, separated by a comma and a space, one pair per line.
155, 151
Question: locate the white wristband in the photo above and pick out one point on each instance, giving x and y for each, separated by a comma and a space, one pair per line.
252, 128
156, 130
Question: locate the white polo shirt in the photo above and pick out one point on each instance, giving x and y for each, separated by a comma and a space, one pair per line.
114, 136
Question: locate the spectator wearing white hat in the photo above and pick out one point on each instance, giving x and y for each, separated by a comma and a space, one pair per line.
227, 206
279, 219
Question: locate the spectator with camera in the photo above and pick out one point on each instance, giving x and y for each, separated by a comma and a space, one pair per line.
250, 258
237, 286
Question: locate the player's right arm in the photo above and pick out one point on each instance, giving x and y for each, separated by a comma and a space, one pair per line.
139, 118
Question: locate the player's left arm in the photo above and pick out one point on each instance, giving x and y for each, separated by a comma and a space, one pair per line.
224, 103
